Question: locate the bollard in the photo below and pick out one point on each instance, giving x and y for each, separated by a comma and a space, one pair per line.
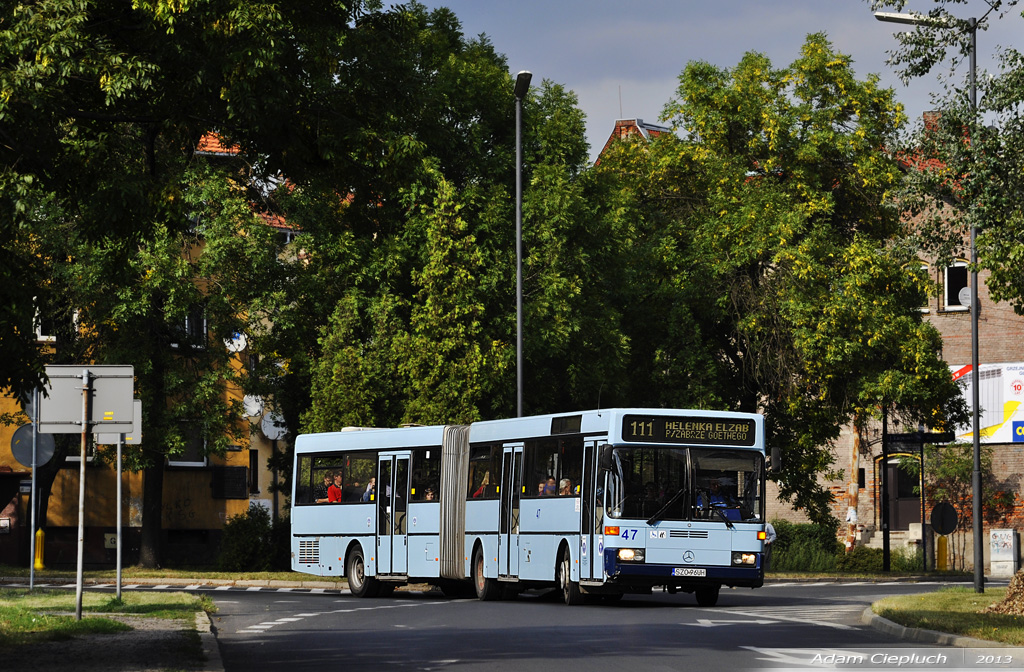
40, 536
941, 554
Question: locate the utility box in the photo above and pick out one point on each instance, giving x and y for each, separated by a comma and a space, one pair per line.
1004, 553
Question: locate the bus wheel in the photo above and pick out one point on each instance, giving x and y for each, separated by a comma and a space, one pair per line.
486, 589
359, 583
570, 589
707, 596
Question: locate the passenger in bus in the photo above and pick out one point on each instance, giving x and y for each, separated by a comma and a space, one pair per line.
428, 495
551, 486
320, 491
371, 487
540, 488
354, 492
334, 493
652, 502
482, 490
565, 487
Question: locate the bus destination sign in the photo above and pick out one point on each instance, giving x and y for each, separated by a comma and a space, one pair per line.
692, 430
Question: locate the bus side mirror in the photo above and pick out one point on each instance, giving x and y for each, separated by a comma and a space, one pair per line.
775, 460
604, 460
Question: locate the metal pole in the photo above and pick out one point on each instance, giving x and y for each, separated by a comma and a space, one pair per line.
79, 578
519, 259
885, 490
32, 496
522, 85
120, 444
979, 551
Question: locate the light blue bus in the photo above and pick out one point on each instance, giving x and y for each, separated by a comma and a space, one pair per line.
596, 503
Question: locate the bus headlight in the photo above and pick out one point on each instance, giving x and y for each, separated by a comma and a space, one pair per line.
740, 558
631, 555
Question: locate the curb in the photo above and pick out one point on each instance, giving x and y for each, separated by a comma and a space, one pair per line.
870, 618
208, 642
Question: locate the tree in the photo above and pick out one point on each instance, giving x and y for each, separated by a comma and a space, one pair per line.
114, 216
967, 161
769, 228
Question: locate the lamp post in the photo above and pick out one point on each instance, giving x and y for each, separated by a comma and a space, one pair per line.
979, 551
522, 86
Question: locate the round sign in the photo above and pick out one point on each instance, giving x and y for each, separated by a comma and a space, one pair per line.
273, 426
944, 518
21, 446
236, 343
964, 296
253, 405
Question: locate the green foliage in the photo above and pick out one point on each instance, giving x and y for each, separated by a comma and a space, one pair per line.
782, 271
246, 544
977, 183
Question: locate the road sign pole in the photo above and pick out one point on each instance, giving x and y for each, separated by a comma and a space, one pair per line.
120, 444
32, 495
79, 579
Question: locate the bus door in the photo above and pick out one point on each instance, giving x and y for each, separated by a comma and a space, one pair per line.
392, 495
591, 514
508, 530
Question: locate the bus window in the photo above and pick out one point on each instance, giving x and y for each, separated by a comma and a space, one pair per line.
303, 480
727, 481
359, 469
484, 472
650, 481
426, 474
571, 467
542, 458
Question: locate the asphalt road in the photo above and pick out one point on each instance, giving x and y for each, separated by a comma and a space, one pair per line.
748, 629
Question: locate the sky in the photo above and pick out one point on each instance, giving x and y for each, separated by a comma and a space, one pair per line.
623, 58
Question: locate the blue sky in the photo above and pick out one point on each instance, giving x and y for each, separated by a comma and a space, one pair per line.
623, 58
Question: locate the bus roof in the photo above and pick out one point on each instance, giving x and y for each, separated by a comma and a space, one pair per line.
356, 438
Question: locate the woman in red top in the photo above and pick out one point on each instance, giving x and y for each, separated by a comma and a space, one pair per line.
334, 491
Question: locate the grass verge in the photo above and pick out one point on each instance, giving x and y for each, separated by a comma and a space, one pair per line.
955, 611
41, 616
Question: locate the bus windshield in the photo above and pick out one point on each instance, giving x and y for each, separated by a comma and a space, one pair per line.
673, 483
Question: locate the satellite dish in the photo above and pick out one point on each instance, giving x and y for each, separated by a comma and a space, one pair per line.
236, 343
964, 296
21, 446
273, 426
252, 405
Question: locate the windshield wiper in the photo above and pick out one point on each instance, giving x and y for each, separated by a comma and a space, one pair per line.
717, 509
661, 512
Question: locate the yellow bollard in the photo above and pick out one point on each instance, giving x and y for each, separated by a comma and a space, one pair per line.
941, 554
40, 536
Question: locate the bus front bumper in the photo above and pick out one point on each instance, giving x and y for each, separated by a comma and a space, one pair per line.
650, 574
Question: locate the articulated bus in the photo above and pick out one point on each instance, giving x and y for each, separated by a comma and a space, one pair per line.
599, 503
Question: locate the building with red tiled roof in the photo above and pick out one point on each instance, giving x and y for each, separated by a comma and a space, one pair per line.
633, 129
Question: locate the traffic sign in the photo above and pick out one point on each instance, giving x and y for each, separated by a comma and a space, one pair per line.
21, 446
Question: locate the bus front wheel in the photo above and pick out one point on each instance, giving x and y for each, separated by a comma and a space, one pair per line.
486, 589
707, 596
359, 583
570, 589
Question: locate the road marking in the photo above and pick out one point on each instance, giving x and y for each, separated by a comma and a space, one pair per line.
253, 589
223, 587
708, 623
806, 615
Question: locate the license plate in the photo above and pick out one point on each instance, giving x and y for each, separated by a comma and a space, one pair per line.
689, 571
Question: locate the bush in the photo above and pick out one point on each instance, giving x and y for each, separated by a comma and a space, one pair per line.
804, 547
864, 560
247, 542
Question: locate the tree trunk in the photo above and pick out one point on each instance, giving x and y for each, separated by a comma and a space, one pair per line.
152, 515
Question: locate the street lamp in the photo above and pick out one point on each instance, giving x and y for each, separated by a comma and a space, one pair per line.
979, 553
522, 86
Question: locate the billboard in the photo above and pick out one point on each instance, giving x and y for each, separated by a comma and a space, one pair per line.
1001, 401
